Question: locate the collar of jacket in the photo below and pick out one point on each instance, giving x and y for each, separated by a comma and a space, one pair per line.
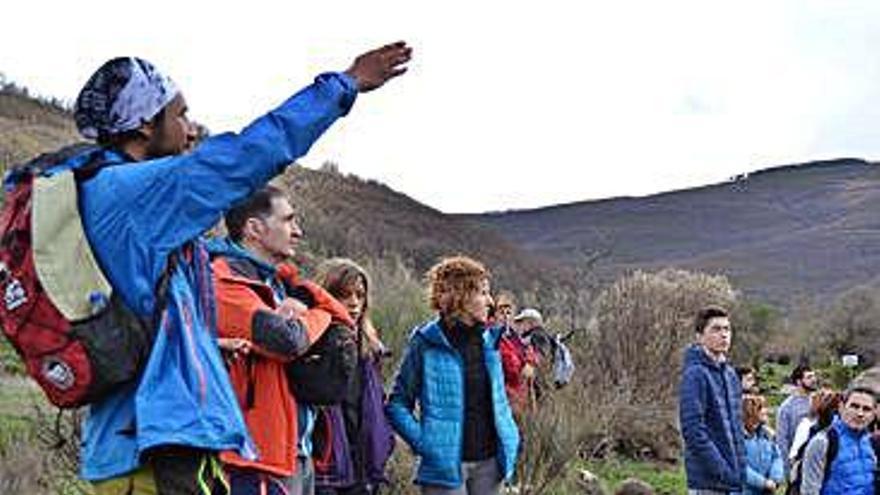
845, 429
433, 333
696, 354
760, 432
231, 249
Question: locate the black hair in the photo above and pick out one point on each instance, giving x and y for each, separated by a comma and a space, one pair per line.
860, 389
706, 314
742, 371
798, 372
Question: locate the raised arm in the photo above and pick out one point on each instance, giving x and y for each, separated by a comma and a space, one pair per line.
173, 199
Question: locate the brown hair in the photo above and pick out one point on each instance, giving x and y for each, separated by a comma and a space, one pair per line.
752, 406
823, 404
257, 205
706, 314
339, 276
452, 282
506, 296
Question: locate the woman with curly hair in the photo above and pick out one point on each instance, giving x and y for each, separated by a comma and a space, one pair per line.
764, 468
448, 402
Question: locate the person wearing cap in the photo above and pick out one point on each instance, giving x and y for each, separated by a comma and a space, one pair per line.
518, 360
530, 325
144, 207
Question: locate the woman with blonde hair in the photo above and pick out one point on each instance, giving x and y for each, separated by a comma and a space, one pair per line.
355, 438
448, 402
764, 468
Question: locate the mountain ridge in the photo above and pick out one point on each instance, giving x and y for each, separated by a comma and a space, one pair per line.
781, 233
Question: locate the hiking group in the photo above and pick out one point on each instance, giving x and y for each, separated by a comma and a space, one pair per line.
210, 366
826, 442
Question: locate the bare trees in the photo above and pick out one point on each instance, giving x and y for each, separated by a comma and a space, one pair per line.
633, 359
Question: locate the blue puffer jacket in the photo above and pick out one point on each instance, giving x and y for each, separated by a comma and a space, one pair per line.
763, 462
852, 470
710, 412
137, 213
432, 375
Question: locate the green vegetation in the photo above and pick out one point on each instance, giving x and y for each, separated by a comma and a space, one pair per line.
16, 422
10, 363
666, 479
771, 377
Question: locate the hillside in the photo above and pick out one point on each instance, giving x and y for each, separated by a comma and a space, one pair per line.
782, 234
29, 127
346, 215
343, 215
795, 231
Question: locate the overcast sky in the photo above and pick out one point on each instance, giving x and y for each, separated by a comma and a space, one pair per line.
507, 104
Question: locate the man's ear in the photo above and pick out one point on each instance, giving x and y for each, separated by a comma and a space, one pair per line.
252, 229
147, 130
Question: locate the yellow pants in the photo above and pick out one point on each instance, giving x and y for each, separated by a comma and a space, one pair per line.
184, 473
139, 482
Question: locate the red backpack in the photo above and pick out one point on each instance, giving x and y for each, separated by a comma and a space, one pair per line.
76, 337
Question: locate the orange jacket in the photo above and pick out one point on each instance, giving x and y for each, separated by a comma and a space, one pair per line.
246, 309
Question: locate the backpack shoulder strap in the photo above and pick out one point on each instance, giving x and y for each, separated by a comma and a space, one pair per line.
47, 160
833, 447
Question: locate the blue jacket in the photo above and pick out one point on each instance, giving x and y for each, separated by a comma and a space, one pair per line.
432, 375
134, 216
852, 470
710, 412
763, 462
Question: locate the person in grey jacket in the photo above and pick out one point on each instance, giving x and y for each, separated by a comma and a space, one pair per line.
794, 408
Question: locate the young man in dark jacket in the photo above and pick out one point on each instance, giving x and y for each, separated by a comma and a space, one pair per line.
710, 410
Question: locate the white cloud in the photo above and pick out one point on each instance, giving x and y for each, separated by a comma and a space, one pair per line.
532, 103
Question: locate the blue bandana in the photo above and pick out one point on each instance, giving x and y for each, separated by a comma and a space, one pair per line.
120, 96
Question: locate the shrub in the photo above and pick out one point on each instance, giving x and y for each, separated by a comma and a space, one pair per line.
552, 435
633, 360
853, 324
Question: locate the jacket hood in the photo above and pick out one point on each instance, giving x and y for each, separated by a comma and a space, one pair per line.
695, 355
228, 248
